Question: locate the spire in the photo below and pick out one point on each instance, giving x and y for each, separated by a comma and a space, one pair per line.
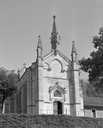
74, 52
39, 48
73, 47
18, 73
39, 42
54, 25
54, 35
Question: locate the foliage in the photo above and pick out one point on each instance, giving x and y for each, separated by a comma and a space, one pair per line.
89, 90
94, 64
7, 84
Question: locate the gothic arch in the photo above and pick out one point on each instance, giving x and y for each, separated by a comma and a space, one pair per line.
57, 92
61, 65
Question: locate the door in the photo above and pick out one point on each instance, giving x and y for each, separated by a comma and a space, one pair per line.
57, 108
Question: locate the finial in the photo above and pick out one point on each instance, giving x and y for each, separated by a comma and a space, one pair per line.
54, 34
74, 52
73, 47
18, 73
54, 17
73, 42
24, 65
39, 42
54, 26
39, 48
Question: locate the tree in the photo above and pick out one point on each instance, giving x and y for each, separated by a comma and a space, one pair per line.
93, 65
88, 90
7, 85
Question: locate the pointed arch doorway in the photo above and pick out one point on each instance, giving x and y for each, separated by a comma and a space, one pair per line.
57, 107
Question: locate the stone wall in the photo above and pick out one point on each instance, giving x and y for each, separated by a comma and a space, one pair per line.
29, 121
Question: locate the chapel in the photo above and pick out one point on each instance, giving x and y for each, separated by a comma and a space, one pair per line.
51, 85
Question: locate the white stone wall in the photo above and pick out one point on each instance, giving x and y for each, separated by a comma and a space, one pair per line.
89, 113
99, 113
44, 78
48, 78
78, 92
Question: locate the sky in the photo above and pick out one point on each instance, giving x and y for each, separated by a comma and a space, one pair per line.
21, 21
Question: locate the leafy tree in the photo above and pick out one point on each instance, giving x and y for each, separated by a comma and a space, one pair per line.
88, 90
93, 65
7, 85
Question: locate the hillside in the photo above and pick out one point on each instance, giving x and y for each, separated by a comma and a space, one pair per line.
43, 121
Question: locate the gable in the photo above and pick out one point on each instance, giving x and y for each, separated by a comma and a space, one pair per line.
58, 61
56, 66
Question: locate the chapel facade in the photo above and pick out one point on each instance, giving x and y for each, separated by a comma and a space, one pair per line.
51, 84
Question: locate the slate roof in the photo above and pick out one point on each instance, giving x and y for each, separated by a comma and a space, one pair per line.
93, 102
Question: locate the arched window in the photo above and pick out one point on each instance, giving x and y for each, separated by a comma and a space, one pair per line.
57, 93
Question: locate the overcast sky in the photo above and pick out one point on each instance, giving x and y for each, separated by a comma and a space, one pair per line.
21, 21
